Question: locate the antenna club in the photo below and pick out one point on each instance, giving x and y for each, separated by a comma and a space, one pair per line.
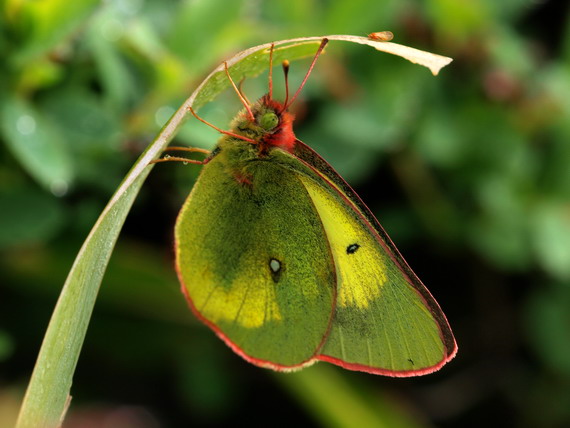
317, 54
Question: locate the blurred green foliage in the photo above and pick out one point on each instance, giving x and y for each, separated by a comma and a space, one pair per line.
469, 172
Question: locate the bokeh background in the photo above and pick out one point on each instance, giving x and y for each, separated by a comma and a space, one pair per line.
469, 172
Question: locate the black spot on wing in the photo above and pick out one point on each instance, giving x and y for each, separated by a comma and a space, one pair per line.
352, 248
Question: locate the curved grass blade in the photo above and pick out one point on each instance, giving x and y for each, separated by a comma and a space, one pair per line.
48, 393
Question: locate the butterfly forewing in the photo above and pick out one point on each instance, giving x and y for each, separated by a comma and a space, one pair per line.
385, 320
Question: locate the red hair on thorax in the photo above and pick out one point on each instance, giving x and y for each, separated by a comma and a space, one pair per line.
283, 136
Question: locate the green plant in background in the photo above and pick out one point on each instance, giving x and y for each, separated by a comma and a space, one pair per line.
480, 154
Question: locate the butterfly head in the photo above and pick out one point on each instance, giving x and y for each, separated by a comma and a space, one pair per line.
270, 126
268, 120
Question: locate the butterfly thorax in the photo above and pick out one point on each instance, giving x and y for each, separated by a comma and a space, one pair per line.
271, 128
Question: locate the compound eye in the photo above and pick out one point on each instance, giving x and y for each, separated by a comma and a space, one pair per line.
268, 121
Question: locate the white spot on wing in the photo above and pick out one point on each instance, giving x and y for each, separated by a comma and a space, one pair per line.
275, 265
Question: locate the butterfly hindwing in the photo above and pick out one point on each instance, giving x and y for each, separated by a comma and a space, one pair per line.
254, 262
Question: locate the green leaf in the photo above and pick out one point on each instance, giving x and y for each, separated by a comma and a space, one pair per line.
28, 216
84, 118
36, 144
551, 236
457, 19
357, 14
191, 36
48, 22
118, 83
500, 233
6, 345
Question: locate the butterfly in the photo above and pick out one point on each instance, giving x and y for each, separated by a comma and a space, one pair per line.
285, 263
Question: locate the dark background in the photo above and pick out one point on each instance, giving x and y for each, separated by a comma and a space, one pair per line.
469, 172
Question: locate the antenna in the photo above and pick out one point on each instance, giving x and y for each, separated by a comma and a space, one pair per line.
243, 100
231, 134
319, 51
271, 71
286, 73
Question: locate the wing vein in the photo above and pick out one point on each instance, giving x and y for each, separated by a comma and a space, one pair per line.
402, 330
432, 334
242, 302
214, 288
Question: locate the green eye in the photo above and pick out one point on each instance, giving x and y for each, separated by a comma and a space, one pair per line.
268, 121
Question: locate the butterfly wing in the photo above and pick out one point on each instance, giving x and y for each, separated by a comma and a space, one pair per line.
254, 262
385, 320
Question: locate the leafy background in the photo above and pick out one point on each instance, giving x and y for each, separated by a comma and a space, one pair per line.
469, 172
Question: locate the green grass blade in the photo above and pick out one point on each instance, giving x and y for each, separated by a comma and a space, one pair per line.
48, 393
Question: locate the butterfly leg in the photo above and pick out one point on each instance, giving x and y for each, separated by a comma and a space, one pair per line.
231, 134
169, 158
